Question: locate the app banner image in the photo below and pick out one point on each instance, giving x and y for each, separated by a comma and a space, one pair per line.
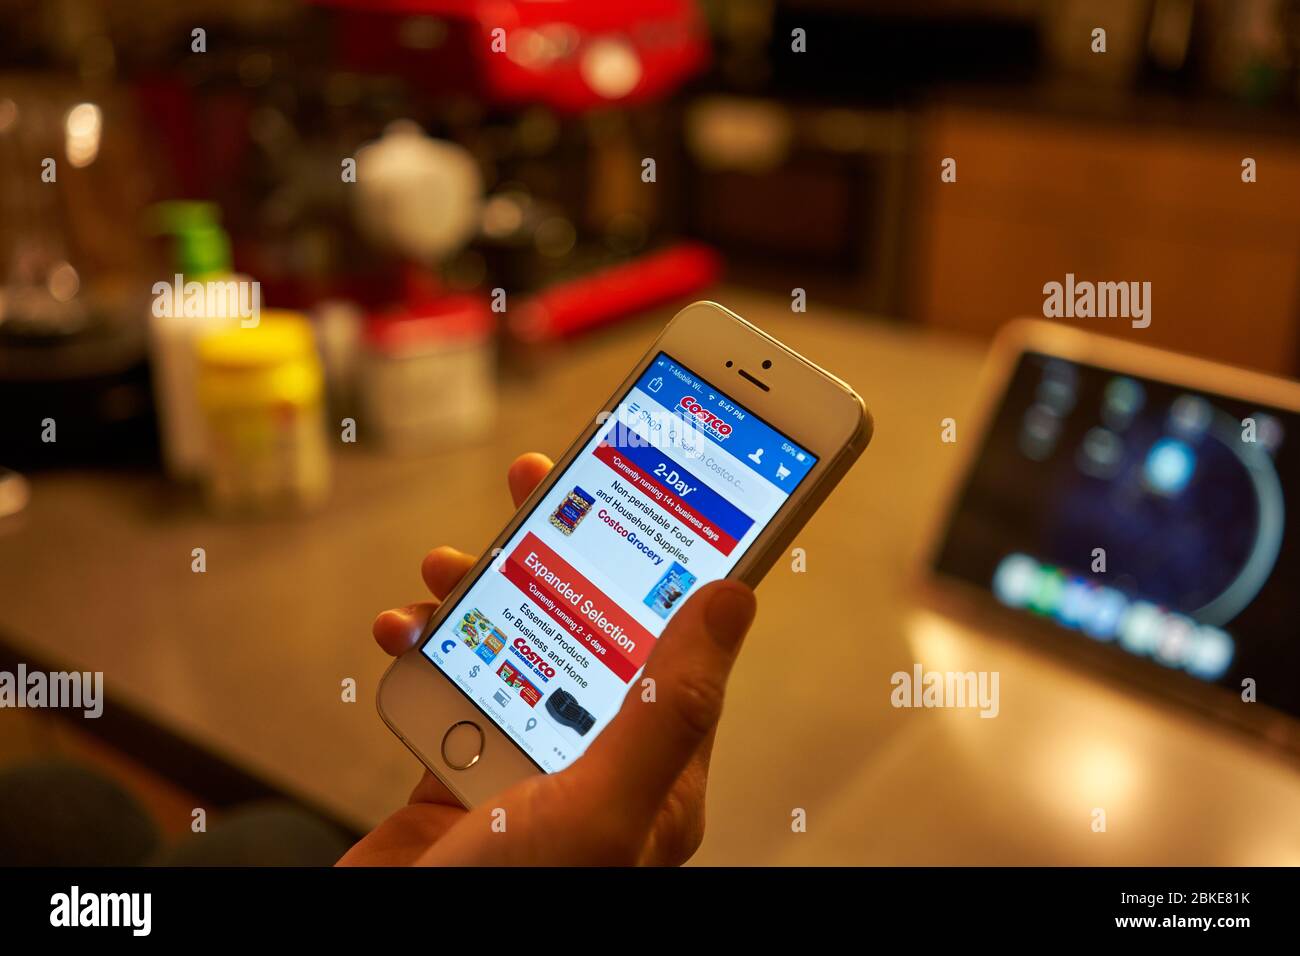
571, 511
481, 635
566, 710
670, 589
511, 675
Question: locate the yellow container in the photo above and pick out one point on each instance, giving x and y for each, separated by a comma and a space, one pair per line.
260, 391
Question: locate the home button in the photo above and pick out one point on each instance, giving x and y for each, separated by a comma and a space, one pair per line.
462, 745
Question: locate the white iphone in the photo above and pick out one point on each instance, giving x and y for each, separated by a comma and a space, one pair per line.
703, 464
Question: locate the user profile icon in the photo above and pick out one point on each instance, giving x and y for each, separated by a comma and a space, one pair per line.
756, 456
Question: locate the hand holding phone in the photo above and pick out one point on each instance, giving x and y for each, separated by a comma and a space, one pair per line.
638, 799
549, 649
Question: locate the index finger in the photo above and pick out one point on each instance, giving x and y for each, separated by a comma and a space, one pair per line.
526, 473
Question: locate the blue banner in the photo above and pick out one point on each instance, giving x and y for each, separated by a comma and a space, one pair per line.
634, 449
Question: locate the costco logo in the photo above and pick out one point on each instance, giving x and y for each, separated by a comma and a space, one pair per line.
538, 663
710, 422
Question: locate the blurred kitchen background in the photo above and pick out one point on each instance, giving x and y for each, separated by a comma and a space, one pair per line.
460, 250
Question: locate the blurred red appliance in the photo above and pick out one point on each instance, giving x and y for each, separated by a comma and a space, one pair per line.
571, 55
571, 308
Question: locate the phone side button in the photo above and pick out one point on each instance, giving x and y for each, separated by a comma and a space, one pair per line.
462, 745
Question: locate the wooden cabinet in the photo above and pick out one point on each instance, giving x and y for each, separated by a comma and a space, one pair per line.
1040, 196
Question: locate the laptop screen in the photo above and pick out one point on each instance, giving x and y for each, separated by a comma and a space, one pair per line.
1156, 520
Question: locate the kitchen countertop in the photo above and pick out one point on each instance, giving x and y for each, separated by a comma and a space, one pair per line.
248, 658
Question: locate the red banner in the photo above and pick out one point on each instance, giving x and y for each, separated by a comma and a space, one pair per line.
579, 607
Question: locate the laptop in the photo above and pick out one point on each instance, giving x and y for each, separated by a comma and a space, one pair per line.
1137, 513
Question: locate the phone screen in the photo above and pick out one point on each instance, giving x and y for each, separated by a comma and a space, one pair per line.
1155, 520
669, 493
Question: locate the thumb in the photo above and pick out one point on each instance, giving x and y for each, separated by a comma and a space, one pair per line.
649, 742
